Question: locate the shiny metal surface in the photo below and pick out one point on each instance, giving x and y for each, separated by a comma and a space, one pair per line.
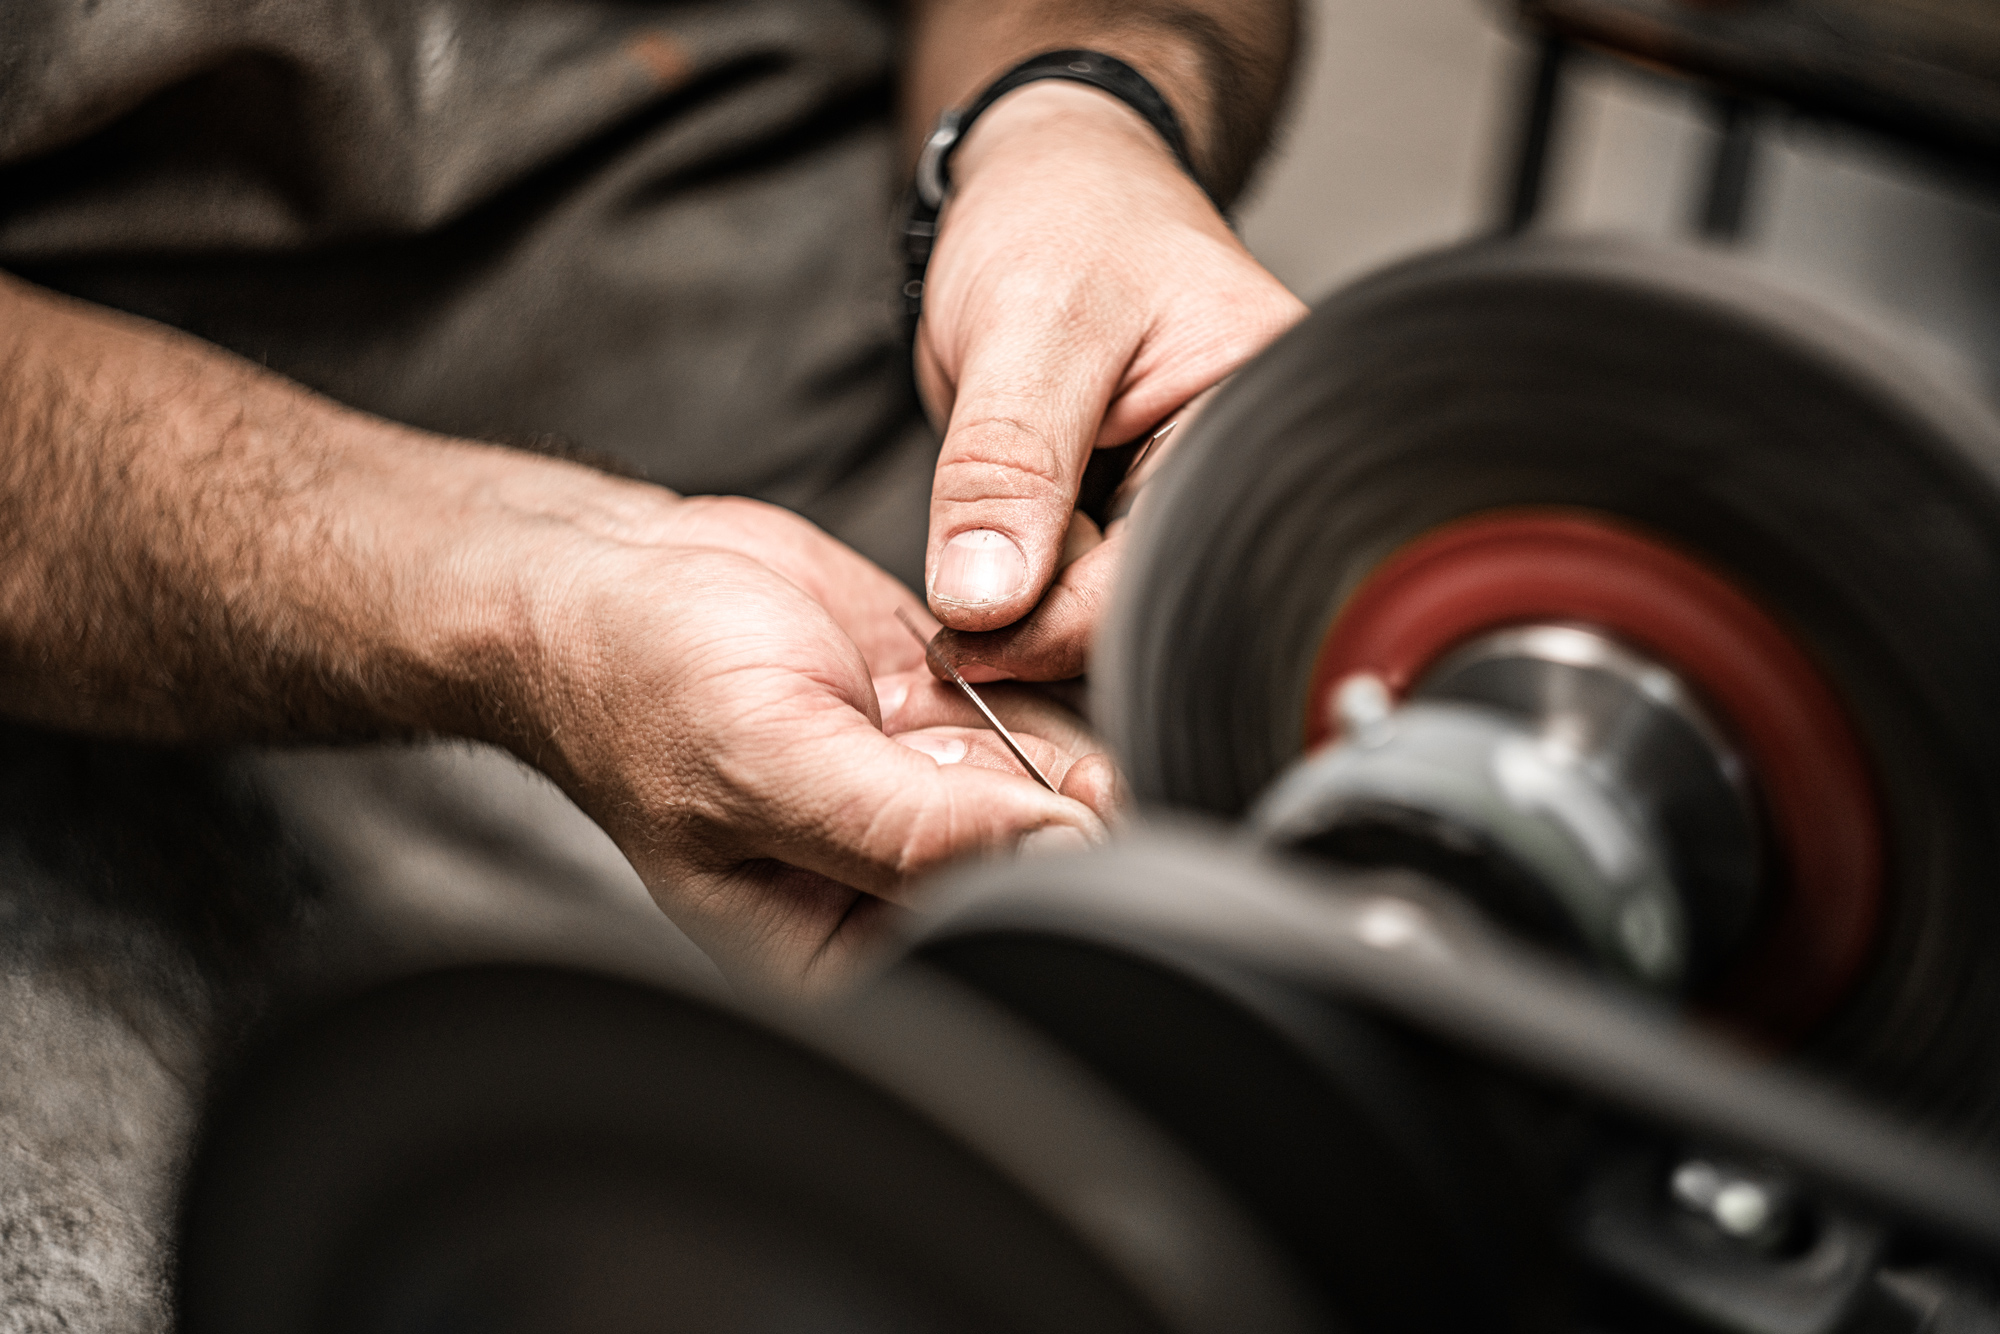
1475, 796
930, 182
1547, 669
1602, 706
1568, 783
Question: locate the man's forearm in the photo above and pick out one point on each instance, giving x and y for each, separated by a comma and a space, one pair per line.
1223, 64
193, 548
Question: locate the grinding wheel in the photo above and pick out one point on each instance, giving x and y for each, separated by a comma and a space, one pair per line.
529, 1148
1657, 445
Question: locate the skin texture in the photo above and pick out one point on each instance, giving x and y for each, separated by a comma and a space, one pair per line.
195, 550
1082, 291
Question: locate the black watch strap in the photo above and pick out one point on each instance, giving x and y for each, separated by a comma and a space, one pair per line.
933, 181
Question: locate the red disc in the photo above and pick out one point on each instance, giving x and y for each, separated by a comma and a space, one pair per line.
1515, 567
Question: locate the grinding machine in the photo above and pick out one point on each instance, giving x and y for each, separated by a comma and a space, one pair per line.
1557, 680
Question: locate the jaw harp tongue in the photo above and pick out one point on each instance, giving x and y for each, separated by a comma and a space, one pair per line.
939, 663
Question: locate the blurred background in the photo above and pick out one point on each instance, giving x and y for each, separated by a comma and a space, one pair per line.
1401, 138
1396, 140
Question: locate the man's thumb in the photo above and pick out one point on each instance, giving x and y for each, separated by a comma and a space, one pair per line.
1000, 508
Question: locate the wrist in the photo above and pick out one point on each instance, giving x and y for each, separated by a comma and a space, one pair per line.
1053, 118
1071, 157
500, 589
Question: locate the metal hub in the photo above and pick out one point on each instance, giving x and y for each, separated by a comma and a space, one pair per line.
1572, 786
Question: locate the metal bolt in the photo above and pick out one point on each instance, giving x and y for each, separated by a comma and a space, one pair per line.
1739, 1205
1742, 1209
1361, 701
1399, 926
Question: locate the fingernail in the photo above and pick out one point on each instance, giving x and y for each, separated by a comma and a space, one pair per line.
943, 749
1050, 840
891, 698
978, 567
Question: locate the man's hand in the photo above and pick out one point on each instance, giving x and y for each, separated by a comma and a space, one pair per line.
708, 692
1082, 292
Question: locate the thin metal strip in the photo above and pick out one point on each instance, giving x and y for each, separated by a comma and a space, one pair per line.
938, 662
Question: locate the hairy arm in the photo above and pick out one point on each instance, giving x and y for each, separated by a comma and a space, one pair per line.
194, 549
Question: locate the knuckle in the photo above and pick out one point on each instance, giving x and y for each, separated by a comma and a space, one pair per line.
1002, 458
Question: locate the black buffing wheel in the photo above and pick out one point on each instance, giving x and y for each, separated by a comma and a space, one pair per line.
1594, 406
1372, 1160
528, 1149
